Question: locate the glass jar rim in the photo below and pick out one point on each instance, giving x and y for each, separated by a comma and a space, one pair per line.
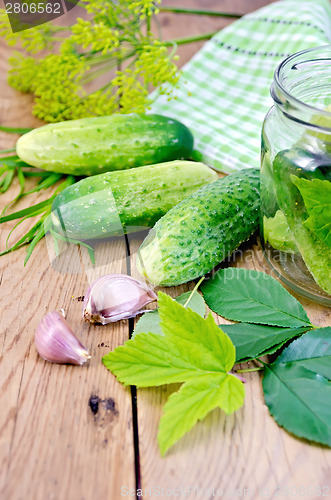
282, 96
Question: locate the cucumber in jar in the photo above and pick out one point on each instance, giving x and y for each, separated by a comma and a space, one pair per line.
306, 208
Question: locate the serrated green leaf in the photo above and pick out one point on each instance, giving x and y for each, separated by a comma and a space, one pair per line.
197, 339
150, 321
189, 345
194, 400
253, 297
315, 252
296, 386
252, 340
299, 400
148, 360
316, 195
312, 350
192, 350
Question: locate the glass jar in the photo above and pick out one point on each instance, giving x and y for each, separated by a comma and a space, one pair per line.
296, 174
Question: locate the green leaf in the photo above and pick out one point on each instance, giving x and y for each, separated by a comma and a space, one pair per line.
197, 339
189, 344
56, 237
29, 211
12, 161
49, 181
252, 340
316, 195
36, 233
296, 386
315, 252
299, 401
150, 321
194, 400
45, 224
21, 180
149, 360
313, 351
91, 254
29, 173
15, 130
192, 350
253, 297
7, 180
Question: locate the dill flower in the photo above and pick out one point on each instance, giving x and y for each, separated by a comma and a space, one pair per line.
155, 66
23, 71
130, 92
57, 87
114, 44
32, 40
98, 36
144, 8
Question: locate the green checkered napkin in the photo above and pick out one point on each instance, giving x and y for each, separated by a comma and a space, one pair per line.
223, 93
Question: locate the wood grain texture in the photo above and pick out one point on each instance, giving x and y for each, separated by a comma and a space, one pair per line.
52, 446
242, 455
50, 438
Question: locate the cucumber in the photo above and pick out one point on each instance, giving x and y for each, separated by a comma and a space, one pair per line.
198, 233
91, 146
277, 233
129, 200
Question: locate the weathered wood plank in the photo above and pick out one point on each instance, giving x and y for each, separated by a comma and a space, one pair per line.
51, 439
52, 444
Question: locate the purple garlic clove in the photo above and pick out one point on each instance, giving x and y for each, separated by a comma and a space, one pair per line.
56, 342
115, 296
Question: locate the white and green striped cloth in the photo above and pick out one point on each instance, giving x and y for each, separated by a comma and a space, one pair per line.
223, 92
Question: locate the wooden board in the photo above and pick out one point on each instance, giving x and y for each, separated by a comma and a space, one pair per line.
55, 445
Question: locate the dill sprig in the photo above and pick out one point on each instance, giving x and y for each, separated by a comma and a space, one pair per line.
11, 166
115, 41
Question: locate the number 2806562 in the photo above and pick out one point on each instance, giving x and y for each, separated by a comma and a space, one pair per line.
33, 8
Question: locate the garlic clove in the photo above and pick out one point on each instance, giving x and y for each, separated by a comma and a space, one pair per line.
56, 342
115, 296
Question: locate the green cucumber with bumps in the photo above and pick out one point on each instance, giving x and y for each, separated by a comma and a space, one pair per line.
126, 201
202, 230
91, 146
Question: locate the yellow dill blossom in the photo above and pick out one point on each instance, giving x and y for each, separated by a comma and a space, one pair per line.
144, 8
114, 46
131, 94
97, 36
57, 87
99, 103
23, 71
32, 40
155, 67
